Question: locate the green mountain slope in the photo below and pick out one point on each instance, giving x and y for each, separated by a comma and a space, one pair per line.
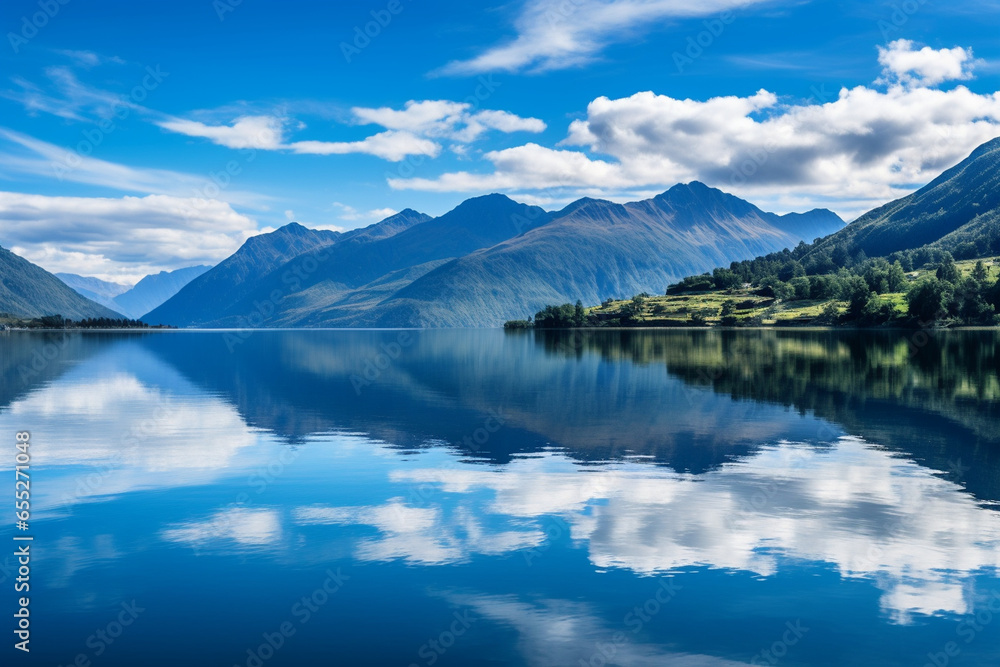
28, 291
961, 206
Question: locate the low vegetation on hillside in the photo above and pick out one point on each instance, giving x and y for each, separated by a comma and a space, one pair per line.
800, 288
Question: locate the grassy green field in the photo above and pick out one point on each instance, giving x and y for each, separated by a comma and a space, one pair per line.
678, 310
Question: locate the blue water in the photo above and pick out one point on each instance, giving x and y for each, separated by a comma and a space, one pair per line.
479, 498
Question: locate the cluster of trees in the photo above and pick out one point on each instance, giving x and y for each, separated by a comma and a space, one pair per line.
833, 274
566, 316
60, 322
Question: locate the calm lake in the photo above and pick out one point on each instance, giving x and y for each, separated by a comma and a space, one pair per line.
464, 497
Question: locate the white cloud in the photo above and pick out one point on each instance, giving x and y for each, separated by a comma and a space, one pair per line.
925, 67
851, 153
244, 526
27, 155
424, 535
88, 59
391, 145
118, 238
555, 34
263, 132
67, 97
416, 129
352, 214
443, 119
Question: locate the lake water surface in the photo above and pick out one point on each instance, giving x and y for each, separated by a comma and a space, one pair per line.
690, 498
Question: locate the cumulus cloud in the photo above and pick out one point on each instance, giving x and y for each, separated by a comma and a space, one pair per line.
556, 34
862, 147
120, 238
926, 67
416, 129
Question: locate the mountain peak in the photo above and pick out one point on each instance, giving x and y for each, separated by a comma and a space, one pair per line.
697, 195
293, 228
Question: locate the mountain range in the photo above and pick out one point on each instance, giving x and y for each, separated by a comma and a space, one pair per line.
492, 258
487, 260
133, 302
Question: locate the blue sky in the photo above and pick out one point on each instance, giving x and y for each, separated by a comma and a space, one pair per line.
136, 137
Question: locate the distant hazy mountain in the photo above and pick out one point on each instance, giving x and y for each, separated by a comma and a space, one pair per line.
154, 289
492, 258
961, 206
95, 289
27, 291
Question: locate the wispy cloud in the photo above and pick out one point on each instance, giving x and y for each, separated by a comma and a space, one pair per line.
89, 59
416, 129
556, 34
26, 155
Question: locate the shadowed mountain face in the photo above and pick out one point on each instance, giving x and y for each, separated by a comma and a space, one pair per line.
492, 259
596, 249
960, 206
241, 276
27, 291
